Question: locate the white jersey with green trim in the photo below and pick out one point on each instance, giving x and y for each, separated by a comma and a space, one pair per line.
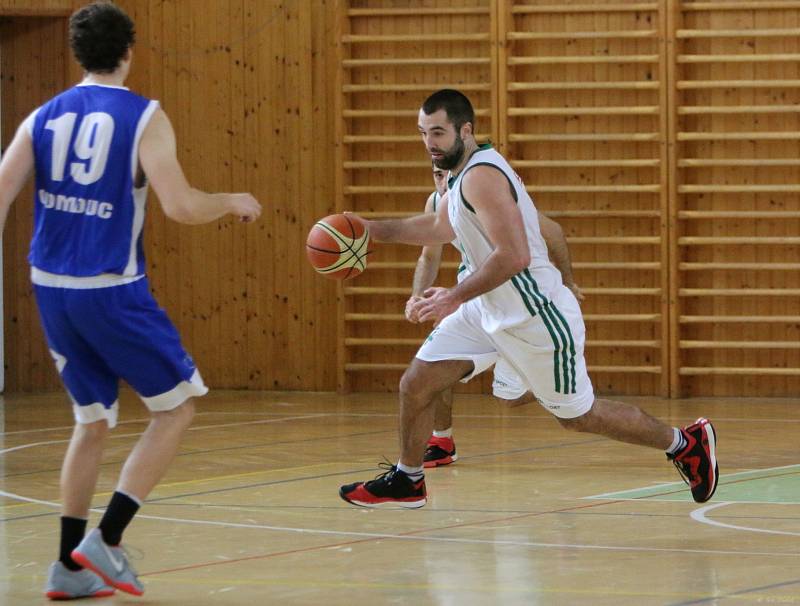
525, 295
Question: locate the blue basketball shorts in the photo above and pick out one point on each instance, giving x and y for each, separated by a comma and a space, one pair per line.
100, 335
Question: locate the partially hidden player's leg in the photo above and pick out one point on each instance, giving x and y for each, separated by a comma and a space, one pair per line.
508, 388
443, 410
441, 447
420, 384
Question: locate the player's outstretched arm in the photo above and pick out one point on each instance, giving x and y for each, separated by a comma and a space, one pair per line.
423, 230
16, 167
558, 251
180, 201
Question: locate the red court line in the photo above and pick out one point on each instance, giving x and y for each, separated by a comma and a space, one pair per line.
381, 538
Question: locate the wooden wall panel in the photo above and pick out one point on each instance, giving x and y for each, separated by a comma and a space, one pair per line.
394, 54
36, 8
737, 217
662, 134
584, 129
246, 84
33, 67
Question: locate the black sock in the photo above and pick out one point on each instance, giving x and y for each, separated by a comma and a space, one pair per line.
119, 514
72, 531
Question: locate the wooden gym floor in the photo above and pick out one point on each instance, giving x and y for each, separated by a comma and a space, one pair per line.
530, 514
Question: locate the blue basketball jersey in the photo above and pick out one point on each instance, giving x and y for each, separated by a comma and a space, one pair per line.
89, 212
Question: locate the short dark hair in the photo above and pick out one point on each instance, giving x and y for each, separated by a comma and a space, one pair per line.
100, 34
455, 104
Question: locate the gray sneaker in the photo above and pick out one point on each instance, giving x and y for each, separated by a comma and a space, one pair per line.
66, 584
111, 563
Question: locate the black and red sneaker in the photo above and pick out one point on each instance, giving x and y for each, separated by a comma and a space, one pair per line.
697, 462
393, 488
439, 451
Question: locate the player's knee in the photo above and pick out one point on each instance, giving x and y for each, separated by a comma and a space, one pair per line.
181, 416
93, 432
414, 387
187, 412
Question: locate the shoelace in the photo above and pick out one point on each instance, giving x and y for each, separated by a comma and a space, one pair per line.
681, 467
387, 475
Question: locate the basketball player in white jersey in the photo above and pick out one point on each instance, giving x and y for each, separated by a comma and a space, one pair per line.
513, 305
93, 149
507, 387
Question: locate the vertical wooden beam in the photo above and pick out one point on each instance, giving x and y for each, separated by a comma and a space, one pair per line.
502, 21
672, 14
340, 29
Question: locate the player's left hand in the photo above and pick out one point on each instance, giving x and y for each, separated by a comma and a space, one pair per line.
437, 304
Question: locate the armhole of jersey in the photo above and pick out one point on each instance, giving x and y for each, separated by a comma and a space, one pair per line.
435, 200
501, 171
144, 120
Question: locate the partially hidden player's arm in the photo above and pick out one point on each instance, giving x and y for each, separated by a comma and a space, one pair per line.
426, 270
422, 230
429, 261
16, 167
182, 202
488, 192
558, 251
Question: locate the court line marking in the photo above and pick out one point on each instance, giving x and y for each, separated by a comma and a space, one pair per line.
276, 414
543, 415
734, 477
303, 478
189, 453
699, 515
412, 535
147, 420
193, 428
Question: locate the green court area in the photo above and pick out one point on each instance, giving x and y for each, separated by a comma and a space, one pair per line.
772, 485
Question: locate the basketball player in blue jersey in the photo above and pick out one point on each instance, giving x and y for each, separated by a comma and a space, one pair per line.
507, 387
513, 305
93, 149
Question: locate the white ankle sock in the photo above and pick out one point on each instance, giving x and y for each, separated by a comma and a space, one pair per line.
444, 433
678, 442
415, 473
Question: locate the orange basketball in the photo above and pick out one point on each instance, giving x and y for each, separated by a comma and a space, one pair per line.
337, 246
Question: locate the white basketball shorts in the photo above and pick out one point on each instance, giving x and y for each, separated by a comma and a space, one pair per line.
546, 351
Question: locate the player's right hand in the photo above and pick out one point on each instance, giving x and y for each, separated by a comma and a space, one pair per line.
244, 206
410, 316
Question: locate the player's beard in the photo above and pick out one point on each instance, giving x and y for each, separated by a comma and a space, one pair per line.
452, 156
